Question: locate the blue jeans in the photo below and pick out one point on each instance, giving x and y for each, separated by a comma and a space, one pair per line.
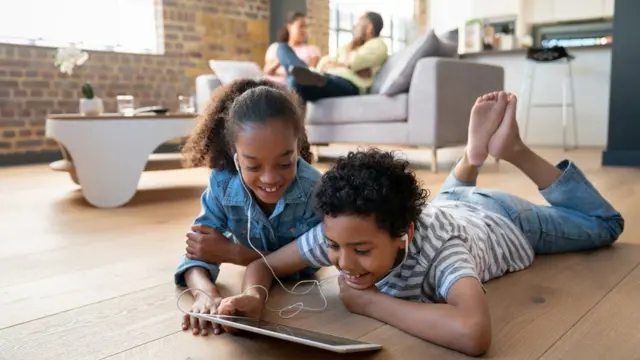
335, 86
578, 219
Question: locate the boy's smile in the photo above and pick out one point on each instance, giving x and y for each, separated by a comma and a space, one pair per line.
360, 250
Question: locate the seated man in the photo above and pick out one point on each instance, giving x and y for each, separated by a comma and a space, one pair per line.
350, 73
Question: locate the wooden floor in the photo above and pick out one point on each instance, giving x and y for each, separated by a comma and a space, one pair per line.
83, 283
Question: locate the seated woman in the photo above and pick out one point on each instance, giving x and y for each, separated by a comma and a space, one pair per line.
294, 33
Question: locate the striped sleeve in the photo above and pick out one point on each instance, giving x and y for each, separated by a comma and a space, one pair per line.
453, 263
313, 247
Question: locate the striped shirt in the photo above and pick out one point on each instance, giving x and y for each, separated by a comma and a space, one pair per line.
452, 240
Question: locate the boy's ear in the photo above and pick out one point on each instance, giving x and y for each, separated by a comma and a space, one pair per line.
410, 233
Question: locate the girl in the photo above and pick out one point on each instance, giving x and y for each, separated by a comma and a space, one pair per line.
293, 33
253, 138
420, 267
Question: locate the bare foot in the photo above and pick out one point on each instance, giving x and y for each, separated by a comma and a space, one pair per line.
506, 141
486, 115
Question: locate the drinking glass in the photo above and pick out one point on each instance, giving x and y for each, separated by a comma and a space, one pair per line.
126, 105
186, 104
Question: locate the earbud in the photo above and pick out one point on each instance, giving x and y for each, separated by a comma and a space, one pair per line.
405, 238
235, 161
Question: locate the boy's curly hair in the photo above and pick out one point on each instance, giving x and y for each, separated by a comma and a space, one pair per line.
372, 182
237, 104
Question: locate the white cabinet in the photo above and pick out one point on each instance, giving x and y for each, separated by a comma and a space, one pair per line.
564, 10
539, 11
608, 7
544, 11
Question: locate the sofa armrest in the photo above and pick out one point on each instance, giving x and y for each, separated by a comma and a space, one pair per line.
442, 93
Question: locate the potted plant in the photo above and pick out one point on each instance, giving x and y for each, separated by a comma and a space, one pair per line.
90, 104
67, 58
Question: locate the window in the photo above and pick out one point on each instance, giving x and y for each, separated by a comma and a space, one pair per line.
397, 17
133, 26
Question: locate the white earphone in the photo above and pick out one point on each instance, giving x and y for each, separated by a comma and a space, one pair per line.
298, 305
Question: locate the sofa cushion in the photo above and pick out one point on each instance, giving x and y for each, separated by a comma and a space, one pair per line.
358, 109
395, 75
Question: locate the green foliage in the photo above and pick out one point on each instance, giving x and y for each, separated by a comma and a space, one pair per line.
87, 91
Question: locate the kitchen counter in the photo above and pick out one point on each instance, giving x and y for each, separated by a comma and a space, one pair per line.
591, 75
522, 50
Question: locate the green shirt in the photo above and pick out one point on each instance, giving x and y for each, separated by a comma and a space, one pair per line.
371, 55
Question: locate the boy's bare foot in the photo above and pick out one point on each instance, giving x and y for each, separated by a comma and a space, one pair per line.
486, 115
506, 142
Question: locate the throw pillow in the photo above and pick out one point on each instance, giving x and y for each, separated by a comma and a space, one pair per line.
395, 75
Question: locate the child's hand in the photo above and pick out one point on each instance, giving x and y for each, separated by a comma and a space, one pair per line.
203, 304
357, 301
208, 245
241, 305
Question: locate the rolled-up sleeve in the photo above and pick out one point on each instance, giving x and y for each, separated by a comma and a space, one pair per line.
372, 54
313, 247
186, 264
212, 215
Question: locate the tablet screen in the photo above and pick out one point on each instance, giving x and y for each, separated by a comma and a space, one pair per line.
296, 332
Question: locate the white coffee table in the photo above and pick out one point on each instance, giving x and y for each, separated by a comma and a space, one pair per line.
109, 152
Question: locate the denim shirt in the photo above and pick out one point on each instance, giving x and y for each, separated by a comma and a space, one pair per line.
225, 205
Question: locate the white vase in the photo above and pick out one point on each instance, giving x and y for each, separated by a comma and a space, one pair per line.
91, 107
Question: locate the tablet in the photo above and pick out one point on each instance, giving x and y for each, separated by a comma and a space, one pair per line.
306, 337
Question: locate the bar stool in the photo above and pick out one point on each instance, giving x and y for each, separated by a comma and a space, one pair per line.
538, 56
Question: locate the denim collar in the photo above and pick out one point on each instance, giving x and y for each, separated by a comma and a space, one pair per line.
236, 195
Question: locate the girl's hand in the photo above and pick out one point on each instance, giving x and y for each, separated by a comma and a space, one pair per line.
203, 304
208, 245
241, 305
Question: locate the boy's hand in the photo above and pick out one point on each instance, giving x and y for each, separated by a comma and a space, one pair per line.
241, 305
208, 245
203, 304
357, 301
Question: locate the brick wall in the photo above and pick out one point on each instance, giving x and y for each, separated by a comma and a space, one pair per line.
195, 31
318, 14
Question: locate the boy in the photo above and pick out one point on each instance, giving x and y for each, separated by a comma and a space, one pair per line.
465, 237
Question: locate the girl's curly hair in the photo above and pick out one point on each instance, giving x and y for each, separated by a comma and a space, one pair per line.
231, 107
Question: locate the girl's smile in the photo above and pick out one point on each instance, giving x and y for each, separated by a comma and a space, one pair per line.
267, 156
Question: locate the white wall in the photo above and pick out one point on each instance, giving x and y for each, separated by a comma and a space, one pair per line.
446, 15
591, 74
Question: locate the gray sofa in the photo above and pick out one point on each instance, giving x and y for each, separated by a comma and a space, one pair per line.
420, 98
434, 113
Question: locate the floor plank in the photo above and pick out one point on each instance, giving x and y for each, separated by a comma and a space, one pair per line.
78, 282
610, 331
128, 326
530, 310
